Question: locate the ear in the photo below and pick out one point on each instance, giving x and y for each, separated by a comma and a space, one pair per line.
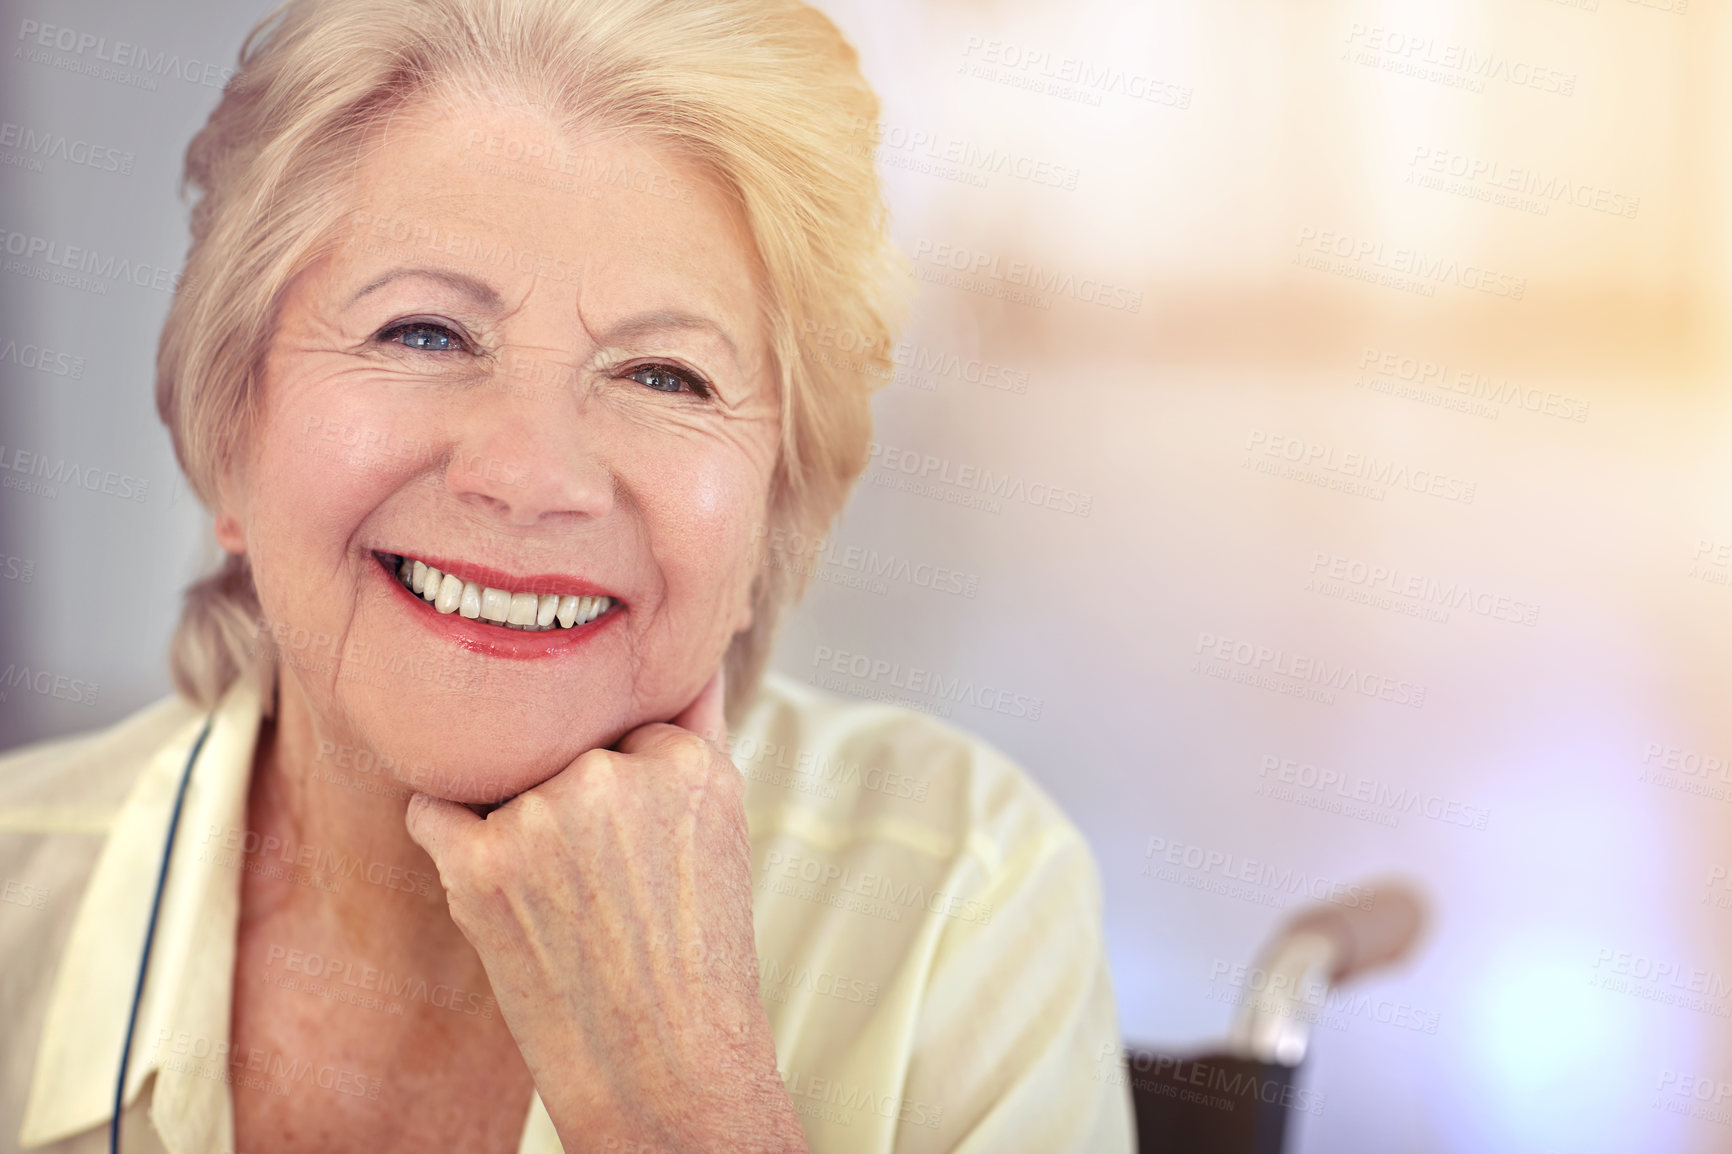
230, 520
229, 533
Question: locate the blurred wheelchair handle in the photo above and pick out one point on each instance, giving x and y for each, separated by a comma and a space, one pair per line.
1322, 946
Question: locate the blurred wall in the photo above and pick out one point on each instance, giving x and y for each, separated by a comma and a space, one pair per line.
1309, 427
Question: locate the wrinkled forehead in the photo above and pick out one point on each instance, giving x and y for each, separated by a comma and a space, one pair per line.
610, 222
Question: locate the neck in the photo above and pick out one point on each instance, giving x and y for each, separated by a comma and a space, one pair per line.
338, 864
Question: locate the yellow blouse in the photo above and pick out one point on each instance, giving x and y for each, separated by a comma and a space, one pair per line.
928, 929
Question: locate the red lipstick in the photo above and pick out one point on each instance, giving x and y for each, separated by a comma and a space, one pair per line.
489, 638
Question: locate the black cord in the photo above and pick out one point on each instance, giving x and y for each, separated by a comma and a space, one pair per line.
150, 936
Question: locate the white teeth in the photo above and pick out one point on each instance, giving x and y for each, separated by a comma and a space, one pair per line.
522, 609
533, 612
450, 594
495, 604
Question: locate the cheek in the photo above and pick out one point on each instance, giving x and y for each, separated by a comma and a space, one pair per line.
708, 521
324, 463
702, 525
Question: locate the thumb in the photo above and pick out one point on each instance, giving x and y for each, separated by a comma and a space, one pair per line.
704, 715
437, 825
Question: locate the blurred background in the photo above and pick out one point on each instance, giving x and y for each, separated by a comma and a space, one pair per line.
1313, 416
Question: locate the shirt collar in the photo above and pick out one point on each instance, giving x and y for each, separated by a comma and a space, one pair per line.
188, 990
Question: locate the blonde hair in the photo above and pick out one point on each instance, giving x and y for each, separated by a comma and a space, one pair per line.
765, 93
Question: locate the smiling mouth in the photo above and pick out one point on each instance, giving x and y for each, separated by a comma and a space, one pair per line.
508, 609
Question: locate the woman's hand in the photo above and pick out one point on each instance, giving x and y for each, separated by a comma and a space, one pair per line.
612, 909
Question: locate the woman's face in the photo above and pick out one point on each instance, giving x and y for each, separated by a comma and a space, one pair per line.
537, 365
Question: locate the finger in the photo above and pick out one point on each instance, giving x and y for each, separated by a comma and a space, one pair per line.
435, 824
704, 715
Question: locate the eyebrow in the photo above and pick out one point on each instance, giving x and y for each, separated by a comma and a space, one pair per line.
661, 321
477, 290
626, 331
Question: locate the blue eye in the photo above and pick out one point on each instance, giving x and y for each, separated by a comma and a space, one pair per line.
666, 379
423, 336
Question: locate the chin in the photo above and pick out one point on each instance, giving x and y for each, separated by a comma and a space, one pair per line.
468, 746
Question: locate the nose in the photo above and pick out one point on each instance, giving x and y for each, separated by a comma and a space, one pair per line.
526, 455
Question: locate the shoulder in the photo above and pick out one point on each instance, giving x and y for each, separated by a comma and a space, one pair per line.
59, 800
853, 770
929, 933
77, 783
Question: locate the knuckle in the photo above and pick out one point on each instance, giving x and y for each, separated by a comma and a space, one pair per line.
595, 765
484, 863
691, 752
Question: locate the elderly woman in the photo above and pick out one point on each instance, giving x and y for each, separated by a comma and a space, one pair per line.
488, 363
